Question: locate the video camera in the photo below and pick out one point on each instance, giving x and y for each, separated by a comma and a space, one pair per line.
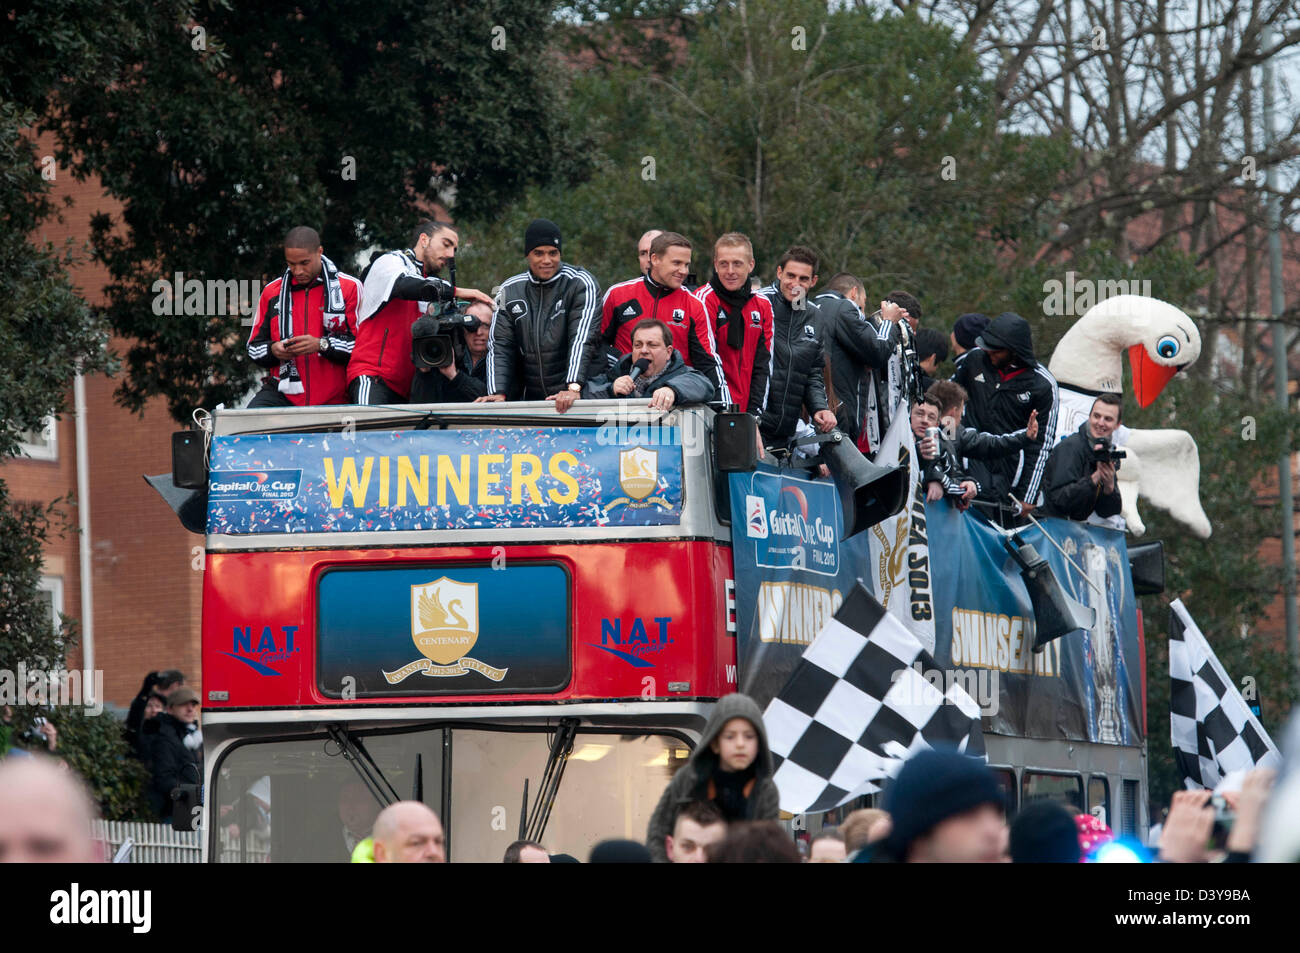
434, 342
1103, 451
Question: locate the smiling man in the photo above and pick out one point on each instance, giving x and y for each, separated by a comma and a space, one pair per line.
1081, 479
659, 294
545, 326
660, 373
740, 320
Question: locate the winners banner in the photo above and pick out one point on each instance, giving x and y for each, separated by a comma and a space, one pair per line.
793, 569
504, 478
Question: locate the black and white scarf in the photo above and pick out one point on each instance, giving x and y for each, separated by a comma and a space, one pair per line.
290, 381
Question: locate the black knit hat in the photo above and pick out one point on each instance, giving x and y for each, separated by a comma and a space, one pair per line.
1044, 833
968, 328
932, 787
541, 232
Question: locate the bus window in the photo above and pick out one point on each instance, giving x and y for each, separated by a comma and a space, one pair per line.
1066, 788
610, 787
1099, 799
299, 801
1007, 782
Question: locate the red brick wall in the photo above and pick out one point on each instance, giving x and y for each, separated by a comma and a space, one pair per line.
146, 595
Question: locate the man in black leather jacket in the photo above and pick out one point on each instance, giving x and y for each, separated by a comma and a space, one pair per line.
667, 379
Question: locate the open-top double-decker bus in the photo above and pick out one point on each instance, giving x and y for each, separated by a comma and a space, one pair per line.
519, 617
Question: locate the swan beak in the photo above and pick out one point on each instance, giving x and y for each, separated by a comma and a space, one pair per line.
1149, 378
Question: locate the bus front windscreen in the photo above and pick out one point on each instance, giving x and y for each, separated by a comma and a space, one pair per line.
299, 800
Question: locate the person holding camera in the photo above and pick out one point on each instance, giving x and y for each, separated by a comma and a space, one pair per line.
465, 378
396, 283
1081, 471
545, 327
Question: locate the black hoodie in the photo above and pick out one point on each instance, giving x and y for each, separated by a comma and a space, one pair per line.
999, 401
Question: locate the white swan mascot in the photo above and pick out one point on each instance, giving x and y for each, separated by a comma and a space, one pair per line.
1162, 465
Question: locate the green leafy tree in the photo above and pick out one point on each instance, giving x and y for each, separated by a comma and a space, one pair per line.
219, 126
863, 135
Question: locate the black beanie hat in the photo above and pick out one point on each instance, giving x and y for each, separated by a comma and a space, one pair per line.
968, 328
619, 852
932, 787
1044, 833
541, 232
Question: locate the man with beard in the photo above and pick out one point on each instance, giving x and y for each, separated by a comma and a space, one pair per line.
381, 369
740, 320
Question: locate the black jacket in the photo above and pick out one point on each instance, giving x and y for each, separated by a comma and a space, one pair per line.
546, 331
173, 762
998, 404
797, 380
856, 347
690, 386
1068, 484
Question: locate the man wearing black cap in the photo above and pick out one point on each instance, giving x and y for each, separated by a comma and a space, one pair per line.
545, 327
1004, 383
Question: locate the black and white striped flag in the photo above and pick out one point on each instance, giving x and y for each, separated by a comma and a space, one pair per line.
1211, 726
857, 706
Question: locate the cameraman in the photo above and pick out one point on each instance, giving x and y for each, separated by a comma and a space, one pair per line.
465, 380
1080, 475
381, 369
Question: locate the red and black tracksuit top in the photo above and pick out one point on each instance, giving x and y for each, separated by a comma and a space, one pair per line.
748, 370
630, 302
395, 294
325, 375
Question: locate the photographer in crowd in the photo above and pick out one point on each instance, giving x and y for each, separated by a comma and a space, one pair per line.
1080, 476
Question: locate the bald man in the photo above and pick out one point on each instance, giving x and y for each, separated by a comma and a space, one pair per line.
45, 814
408, 832
643, 248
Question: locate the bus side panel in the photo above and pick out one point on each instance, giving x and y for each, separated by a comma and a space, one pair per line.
647, 620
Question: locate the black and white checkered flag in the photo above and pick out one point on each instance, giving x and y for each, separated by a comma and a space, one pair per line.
1210, 724
857, 706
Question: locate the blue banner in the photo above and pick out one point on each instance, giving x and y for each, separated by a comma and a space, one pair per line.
793, 569
452, 479
789, 582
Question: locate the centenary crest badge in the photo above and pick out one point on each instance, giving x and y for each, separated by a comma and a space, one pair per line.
444, 627
638, 477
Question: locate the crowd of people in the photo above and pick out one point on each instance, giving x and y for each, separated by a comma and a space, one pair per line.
162, 731
801, 356
722, 806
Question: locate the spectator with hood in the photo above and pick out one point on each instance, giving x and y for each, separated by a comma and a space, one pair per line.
1004, 384
731, 766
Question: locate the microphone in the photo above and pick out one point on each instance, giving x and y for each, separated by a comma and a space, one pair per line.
639, 368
